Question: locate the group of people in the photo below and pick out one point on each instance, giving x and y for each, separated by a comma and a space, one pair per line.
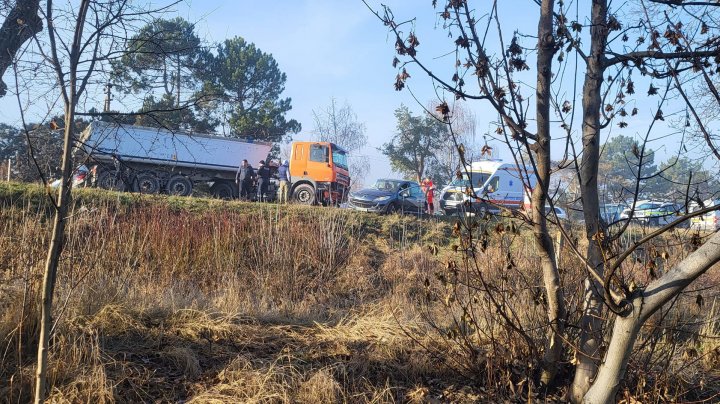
246, 175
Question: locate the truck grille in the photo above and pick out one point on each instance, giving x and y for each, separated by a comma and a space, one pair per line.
342, 178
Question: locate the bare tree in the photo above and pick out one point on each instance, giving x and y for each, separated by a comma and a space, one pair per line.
496, 84
447, 162
73, 72
340, 125
80, 41
687, 47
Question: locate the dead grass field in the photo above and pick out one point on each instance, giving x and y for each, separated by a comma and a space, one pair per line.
193, 300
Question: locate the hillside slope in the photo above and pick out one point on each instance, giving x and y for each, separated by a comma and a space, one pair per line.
189, 299
167, 299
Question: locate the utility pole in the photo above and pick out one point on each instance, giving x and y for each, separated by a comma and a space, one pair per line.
108, 97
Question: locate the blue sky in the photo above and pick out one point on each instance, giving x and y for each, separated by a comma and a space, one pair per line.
332, 48
327, 48
338, 48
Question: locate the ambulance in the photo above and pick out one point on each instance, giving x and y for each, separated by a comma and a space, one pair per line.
496, 185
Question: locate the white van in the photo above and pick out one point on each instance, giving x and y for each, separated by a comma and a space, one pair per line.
709, 221
497, 183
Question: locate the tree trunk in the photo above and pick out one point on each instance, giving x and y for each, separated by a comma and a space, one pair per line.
647, 302
21, 23
177, 90
53, 257
551, 277
591, 322
69, 90
625, 332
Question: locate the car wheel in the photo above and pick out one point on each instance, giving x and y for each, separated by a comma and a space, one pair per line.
391, 209
482, 211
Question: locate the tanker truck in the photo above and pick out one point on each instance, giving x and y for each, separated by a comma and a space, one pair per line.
175, 162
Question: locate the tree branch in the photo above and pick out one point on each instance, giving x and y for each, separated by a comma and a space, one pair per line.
660, 291
657, 55
683, 3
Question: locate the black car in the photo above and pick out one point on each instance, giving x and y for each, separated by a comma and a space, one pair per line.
390, 196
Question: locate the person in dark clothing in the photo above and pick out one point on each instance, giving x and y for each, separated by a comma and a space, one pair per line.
244, 179
263, 179
120, 179
263, 176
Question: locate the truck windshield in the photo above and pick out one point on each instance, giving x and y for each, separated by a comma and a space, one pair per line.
477, 180
339, 158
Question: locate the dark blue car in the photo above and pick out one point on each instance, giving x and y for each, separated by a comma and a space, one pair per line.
390, 196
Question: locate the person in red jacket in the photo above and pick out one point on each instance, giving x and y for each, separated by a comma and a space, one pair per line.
429, 188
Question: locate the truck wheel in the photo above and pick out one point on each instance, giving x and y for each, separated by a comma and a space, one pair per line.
222, 190
106, 180
147, 183
304, 194
179, 185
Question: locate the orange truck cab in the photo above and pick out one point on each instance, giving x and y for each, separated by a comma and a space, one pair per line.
319, 173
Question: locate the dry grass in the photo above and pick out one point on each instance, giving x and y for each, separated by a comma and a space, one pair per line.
174, 299
209, 305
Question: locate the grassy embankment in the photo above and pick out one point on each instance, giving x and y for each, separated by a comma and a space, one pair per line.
187, 299
163, 298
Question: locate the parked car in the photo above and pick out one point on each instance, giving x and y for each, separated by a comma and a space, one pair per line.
610, 212
80, 178
559, 213
390, 196
709, 221
653, 213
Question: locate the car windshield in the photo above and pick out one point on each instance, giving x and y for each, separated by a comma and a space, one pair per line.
478, 180
648, 205
612, 208
386, 185
339, 158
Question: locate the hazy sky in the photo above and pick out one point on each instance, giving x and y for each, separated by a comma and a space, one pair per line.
327, 48
338, 48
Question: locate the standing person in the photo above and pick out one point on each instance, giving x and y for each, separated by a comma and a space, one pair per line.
120, 180
429, 188
93, 175
284, 175
263, 177
244, 178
